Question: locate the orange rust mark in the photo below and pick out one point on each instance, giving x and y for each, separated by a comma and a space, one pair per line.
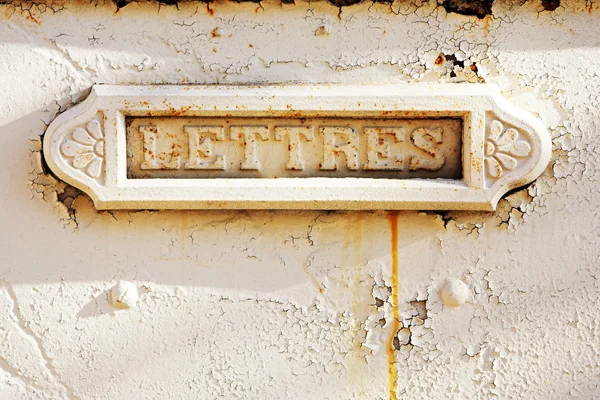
32, 18
250, 45
356, 244
391, 355
486, 26
314, 280
215, 33
209, 10
439, 60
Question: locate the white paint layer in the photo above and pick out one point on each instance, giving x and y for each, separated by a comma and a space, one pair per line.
300, 305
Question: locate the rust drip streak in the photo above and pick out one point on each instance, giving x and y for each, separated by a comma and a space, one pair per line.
392, 372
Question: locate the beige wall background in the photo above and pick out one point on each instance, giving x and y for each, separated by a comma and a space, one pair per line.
298, 305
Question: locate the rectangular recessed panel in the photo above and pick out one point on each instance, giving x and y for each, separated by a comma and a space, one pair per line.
239, 147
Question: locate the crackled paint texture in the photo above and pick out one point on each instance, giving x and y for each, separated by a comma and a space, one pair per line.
300, 305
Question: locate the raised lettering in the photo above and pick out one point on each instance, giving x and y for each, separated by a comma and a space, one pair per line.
296, 147
378, 149
339, 140
154, 159
294, 134
424, 139
200, 147
249, 135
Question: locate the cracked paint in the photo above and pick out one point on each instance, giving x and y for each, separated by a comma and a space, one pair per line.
300, 305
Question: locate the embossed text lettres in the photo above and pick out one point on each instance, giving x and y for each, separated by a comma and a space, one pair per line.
339, 140
249, 134
154, 158
379, 156
294, 134
200, 147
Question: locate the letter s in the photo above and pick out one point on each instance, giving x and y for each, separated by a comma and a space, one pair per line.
424, 139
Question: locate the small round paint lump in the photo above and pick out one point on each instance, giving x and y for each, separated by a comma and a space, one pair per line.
455, 293
124, 295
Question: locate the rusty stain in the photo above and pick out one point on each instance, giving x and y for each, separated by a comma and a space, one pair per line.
346, 246
209, 10
486, 25
357, 247
321, 31
391, 355
30, 17
313, 279
439, 60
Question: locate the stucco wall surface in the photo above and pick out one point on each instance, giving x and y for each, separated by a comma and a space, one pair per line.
300, 305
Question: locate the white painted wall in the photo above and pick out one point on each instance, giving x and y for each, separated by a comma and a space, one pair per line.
282, 305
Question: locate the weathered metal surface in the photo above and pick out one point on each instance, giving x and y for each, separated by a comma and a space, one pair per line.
441, 146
